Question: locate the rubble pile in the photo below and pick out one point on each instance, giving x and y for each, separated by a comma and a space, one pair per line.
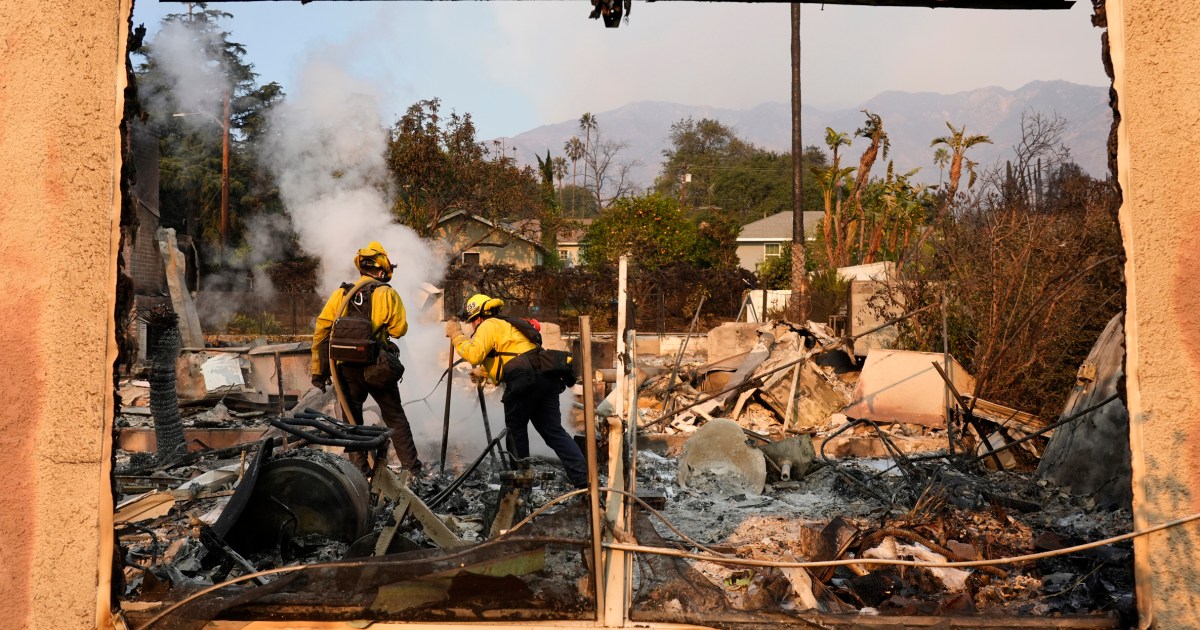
273, 500
886, 482
789, 449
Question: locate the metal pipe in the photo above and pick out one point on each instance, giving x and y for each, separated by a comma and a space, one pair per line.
444, 494
946, 364
967, 414
487, 426
279, 383
682, 348
446, 417
589, 431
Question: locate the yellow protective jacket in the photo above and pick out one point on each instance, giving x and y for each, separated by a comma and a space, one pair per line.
387, 313
492, 336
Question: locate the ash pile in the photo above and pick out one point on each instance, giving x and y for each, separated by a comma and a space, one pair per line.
794, 449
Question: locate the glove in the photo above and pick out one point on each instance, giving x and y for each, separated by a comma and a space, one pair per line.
453, 329
320, 381
478, 375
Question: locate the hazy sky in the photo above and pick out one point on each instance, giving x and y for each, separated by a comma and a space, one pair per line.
515, 65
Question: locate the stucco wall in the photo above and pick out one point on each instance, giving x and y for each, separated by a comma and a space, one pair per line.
61, 67
61, 74
1156, 60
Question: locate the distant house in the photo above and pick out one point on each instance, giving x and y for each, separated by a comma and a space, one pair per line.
474, 240
569, 239
765, 238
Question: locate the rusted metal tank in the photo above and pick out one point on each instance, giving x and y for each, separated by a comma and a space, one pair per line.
302, 492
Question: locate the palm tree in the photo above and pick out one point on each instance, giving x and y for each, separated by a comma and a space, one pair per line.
560, 171
831, 181
834, 139
574, 150
872, 130
958, 142
587, 123
941, 157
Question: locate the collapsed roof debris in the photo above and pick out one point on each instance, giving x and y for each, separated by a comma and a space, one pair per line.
756, 454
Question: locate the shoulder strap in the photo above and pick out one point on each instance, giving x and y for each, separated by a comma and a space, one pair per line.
524, 327
366, 288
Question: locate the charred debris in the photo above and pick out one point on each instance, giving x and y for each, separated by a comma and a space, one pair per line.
758, 446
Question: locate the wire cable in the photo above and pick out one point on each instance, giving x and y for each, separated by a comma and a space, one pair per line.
709, 557
906, 563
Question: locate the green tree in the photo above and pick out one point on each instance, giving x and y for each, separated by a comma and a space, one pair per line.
834, 181
438, 166
872, 130
560, 172
183, 95
551, 213
957, 143
650, 228
579, 203
700, 149
587, 124
715, 246
730, 175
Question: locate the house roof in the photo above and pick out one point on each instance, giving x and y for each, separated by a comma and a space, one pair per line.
573, 231
778, 227
511, 230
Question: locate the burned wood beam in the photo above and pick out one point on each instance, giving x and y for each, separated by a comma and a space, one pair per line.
1051, 427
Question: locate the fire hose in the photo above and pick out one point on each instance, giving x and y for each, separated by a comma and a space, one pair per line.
332, 432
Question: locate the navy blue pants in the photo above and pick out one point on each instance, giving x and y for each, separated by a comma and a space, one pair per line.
539, 405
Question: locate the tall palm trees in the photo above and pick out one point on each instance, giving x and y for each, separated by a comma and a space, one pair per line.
587, 124
575, 151
560, 171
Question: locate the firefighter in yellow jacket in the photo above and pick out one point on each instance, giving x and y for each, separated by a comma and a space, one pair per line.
372, 299
529, 396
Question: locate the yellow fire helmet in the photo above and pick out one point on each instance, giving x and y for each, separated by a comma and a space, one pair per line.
373, 255
480, 304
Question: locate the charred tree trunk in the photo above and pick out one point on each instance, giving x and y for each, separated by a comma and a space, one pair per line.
163, 331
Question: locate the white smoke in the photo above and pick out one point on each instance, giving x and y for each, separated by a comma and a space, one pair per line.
195, 77
327, 152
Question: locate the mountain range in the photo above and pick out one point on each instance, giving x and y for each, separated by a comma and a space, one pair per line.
911, 119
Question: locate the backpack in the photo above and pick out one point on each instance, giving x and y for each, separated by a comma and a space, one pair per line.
352, 338
557, 364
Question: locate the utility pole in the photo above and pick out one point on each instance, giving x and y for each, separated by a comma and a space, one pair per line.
225, 177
